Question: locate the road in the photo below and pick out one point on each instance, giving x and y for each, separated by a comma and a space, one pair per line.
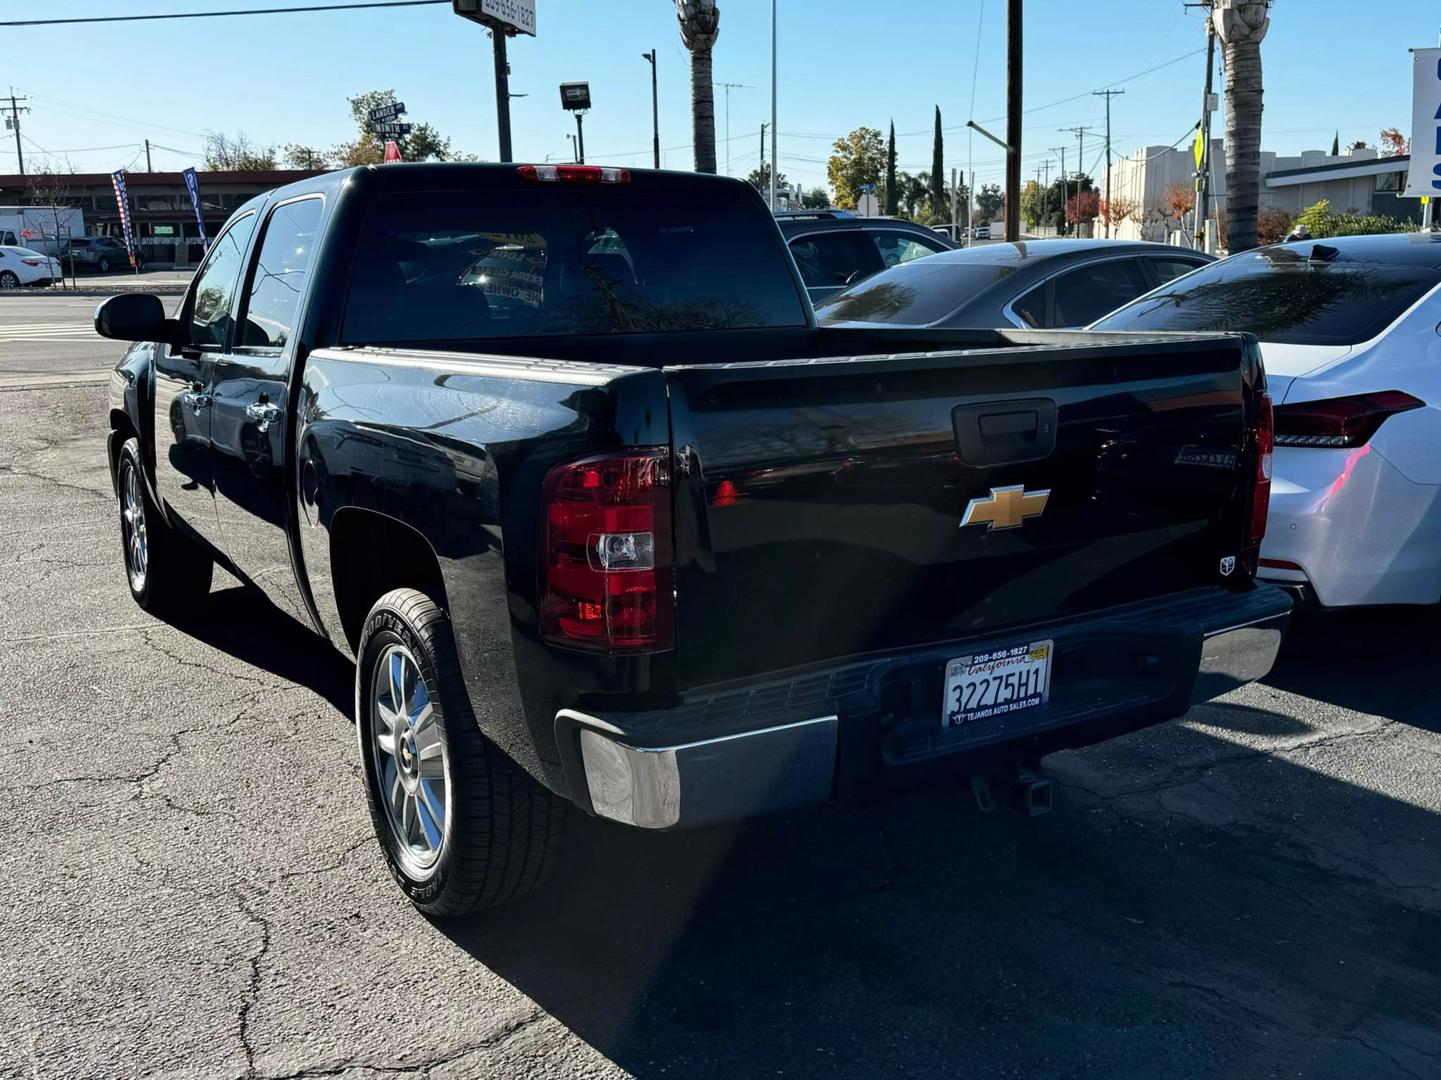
191, 888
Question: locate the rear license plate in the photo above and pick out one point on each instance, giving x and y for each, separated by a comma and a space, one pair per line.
995, 683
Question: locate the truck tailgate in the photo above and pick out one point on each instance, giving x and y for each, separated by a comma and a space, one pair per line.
819, 503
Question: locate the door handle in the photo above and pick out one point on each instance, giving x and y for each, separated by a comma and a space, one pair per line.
264, 413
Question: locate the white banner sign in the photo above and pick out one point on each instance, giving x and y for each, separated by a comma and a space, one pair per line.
517, 13
1424, 177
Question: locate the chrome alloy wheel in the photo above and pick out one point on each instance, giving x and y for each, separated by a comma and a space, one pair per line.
410, 762
132, 528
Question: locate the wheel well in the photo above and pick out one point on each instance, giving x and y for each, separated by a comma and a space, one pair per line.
123, 428
370, 554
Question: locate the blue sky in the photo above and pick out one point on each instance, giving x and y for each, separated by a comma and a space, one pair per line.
1329, 64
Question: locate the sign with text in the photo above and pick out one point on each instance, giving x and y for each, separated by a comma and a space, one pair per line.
392, 151
518, 16
117, 181
1424, 176
390, 130
381, 113
192, 185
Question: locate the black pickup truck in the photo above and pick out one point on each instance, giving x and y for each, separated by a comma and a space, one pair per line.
559, 455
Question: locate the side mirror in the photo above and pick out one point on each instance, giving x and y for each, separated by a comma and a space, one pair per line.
135, 317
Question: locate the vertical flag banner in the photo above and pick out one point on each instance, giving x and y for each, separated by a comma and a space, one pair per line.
117, 179
1424, 176
192, 184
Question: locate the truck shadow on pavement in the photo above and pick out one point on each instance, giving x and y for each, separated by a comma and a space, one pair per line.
1225, 897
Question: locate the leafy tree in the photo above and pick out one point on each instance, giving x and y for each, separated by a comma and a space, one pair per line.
1082, 207
699, 26
1393, 143
236, 154
760, 178
1272, 225
1032, 198
1177, 201
423, 143
892, 195
299, 156
1240, 25
989, 201
855, 160
938, 170
815, 199
1115, 210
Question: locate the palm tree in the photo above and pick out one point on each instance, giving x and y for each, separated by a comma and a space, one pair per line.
1241, 24
699, 25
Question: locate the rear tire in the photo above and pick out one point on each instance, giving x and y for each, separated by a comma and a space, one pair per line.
167, 572
104, 266
9, 280
462, 827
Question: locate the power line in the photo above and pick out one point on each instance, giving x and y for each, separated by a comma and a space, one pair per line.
221, 14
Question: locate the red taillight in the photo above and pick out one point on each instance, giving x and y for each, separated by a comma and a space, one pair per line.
605, 552
1339, 422
1265, 438
31, 262
575, 174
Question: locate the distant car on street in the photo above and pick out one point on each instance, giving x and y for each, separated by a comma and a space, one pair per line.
1348, 331
22, 266
1041, 284
835, 248
103, 253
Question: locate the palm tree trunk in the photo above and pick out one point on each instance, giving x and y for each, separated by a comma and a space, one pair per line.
1241, 24
702, 110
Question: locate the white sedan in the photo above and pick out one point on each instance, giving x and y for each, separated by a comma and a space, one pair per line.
1350, 332
21, 266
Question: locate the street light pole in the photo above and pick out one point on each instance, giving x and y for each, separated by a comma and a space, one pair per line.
502, 92
774, 160
1013, 120
729, 86
579, 138
654, 108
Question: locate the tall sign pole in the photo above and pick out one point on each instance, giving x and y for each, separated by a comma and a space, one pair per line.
1013, 120
504, 18
655, 111
775, 162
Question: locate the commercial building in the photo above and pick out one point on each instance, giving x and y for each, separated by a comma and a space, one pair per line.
161, 213
1359, 181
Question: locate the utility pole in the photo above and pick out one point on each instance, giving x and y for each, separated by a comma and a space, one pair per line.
579, 137
1203, 196
15, 110
1108, 95
1013, 120
1062, 151
502, 92
1080, 162
654, 108
148, 167
1046, 193
762, 172
729, 86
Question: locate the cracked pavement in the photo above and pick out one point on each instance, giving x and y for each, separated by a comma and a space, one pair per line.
191, 888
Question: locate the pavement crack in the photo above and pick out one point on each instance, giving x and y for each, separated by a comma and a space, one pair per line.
252, 987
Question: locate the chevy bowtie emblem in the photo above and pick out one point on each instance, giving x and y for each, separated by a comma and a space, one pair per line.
1005, 507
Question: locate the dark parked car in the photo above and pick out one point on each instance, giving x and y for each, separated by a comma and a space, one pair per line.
1045, 284
559, 455
835, 248
103, 253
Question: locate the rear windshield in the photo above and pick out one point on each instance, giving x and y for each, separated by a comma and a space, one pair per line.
1282, 295
436, 267
912, 294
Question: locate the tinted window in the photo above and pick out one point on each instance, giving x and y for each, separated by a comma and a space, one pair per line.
835, 258
913, 294
215, 285
898, 247
1282, 295
448, 266
1088, 292
1170, 269
278, 280
1032, 309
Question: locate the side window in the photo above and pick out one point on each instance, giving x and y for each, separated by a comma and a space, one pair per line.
1086, 293
215, 286
8, 238
1032, 307
1170, 269
831, 259
898, 247
278, 280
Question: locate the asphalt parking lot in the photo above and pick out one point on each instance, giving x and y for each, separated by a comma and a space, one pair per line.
191, 887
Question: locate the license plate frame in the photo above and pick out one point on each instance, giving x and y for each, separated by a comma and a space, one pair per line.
998, 682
